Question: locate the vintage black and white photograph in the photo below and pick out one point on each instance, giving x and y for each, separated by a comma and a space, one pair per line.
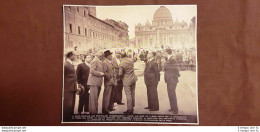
130, 64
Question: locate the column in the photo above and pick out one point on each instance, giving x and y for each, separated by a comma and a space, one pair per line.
157, 38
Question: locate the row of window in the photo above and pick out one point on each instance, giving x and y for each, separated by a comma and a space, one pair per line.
164, 35
104, 26
175, 27
93, 34
85, 12
98, 24
101, 27
163, 22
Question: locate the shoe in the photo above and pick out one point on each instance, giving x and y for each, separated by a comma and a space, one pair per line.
154, 110
170, 110
175, 112
128, 112
146, 108
105, 113
120, 103
112, 109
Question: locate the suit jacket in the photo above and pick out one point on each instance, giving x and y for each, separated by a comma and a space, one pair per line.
171, 71
82, 74
116, 67
96, 68
126, 70
151, 73
70, 77
110, 76
158, 59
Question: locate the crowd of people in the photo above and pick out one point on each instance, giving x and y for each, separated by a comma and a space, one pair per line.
186, 58
116, 71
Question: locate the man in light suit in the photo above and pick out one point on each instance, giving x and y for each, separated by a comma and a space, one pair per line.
70, 87
151, 79
171, 75
82, 78
126, 71
109, 82
95, 81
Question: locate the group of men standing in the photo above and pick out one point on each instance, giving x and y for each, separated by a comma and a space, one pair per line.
152, 77
117, 73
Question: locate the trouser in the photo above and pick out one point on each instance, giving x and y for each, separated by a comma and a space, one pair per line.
130, 96
148, 96
152, 96
84, 101
112, 97
118, 91
171, 88
160, 66
68, 105
93, 99
106, 98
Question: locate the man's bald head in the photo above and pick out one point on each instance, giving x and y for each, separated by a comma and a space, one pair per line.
99, 54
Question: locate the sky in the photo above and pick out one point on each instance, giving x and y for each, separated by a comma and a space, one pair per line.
132, 15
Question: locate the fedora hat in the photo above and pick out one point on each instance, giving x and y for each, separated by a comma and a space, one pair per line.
81, 90
107, 53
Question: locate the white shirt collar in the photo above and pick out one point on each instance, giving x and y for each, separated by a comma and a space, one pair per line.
70, 61
169, 57
151, 59
118, 61
98, 59
109, 61
86, 63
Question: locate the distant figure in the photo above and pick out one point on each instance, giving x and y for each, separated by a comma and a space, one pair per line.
179, 59
151, 79
171, 75
95, 81
70, 87
126, 71
83, 70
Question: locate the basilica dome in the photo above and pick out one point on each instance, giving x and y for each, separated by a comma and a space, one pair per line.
162, 13
162, 16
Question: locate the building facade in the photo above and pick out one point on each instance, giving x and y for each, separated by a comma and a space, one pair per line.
164, 32
84, 31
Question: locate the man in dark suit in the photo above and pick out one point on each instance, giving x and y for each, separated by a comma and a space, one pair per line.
117, 96
82, 78
171, 75
109, 82
158, 59
95, 81
151, 79
126, 71
70, 87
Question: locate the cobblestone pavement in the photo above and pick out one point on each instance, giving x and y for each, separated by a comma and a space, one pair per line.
186, 95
